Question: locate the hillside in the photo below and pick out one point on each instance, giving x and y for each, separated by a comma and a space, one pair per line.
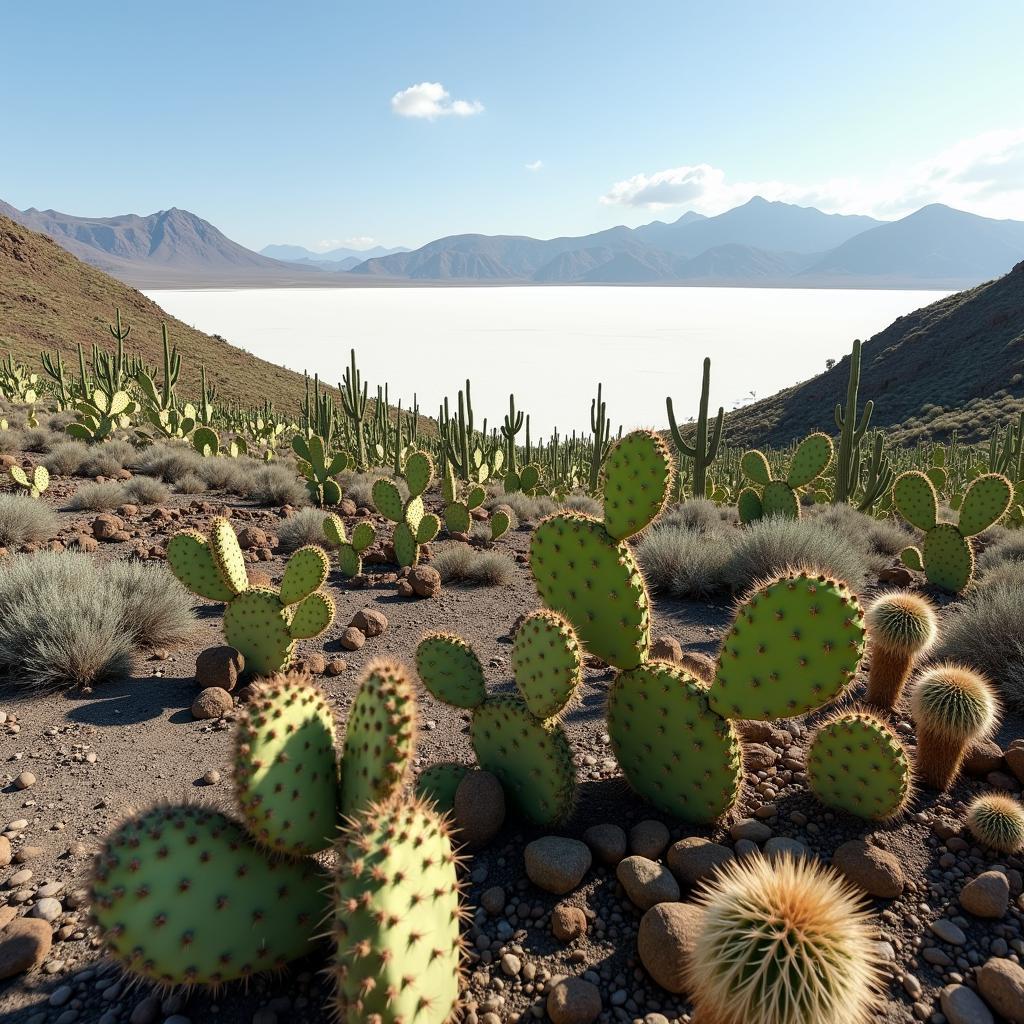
166, 249
957, 364
50, 300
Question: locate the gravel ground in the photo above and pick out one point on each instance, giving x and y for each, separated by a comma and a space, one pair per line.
97, 756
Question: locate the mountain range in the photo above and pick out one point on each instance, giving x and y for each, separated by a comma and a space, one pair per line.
760, 243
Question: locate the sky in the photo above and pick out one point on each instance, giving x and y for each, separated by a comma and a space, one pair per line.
335, 123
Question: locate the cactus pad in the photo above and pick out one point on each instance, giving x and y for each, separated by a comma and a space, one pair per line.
795, 644
419, 471
334, 530
184, 898
674, 750
450, 670
404, 543
228, 556
380, 737
915, 499
985, 503
749, 505
948, 558
810, 460
500, 523
387, 499
911, 558
439, 782
531, 758
191, 560
305, 572
456, 517
779, 499
856, 763
755, 467
427, 529
637, 478
257, 624
286, 773
312, 616
396, 918
546, 662
594, 581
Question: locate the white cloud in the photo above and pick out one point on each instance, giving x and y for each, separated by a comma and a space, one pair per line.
534, 165
983, 175
430, 100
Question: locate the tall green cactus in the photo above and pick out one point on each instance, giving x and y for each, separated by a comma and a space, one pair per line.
512, 425
948, 558
851, 434
353, 401
704, 450
261, 622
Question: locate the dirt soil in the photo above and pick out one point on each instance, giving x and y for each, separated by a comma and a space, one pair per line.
132, 742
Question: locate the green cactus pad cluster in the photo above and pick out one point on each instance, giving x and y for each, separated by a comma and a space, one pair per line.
546, 662
529, 754
794, 645
380, 737
350, 553
584, 569
35, 483
856, 763
286, 773
397, 914
439, 782
319, 468
674, 750
779, 497
184, 898
947, 558
260, 622
413, 525
532, 758
638, 475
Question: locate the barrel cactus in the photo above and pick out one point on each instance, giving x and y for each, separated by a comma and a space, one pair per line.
996, 820
901, 628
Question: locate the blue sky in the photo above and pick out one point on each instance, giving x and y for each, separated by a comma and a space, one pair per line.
294, 122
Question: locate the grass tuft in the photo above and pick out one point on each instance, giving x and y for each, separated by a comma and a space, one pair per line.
463, 563
25, 520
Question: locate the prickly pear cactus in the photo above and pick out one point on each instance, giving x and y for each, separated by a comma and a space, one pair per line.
673, 749
438, 783
184, 898
779, 497
947, 557
350, 552
413, 526
395, 929
260, 622
380, 737
286, 771
517, 738
501, 520
34, 484
319, 468
856, 763
584, 569
795, 644
458, 514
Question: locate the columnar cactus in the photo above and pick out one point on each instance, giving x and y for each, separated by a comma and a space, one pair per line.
517, 738
947, 558
397, 915
779, 497
184, 897
901, 627
704, 450
414, 526
350, 552
261, 622
856, 763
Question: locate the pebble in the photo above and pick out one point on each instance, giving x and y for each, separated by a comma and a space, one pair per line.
608, 843
878, 872
493, 900
962, 1006
213, 702
666, 940
24, 944
146, 1012
647, 882
988, 895
780, 846
48, 909
693, 859
948, 932
568, 922
750, 828
25, 781
574, 1001
556, 864
649, 838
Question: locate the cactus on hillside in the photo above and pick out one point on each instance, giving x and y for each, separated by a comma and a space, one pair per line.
704, 450
947, 557
261, 622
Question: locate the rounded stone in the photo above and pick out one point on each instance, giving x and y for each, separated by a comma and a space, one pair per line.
219, 666
574, 1001
878, 872
693, 859
146, 1012
556, 864
371, 621
493, 900
1001, 982
608, 843
24, 944
666, 941
479, 808
5, 851
649, 838
752, 829
25, 781
988, 895
568, 922
425, 581
646, 882
47, 909
213, 702
666, 648
962, 1006
352, 638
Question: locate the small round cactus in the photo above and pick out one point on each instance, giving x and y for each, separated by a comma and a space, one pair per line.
901, 627
997, 821
952, 706
783, 942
